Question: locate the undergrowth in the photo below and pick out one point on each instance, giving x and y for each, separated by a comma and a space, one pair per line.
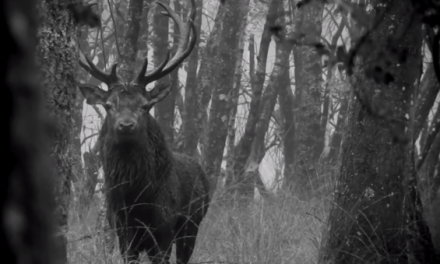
279, 229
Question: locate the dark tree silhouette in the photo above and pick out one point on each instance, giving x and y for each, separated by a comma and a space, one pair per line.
27, 202
377, 215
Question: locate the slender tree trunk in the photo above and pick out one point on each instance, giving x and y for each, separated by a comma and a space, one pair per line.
85, 180
244, 147
236, 91
328, 102
129, 45
430, 87
144, 34
435, 184
205, 78
27, 200
175, 89
278, 81
286, 99
223, 83
190, 133
78, 175
57, 58
164, 112
335, 144
428, 169
375, 217
308, 80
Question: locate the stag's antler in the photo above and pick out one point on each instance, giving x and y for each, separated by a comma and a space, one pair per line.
109, 79
184, 47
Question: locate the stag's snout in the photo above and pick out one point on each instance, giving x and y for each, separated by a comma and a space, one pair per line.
126, 125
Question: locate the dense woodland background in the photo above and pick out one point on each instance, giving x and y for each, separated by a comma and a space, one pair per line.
316, 121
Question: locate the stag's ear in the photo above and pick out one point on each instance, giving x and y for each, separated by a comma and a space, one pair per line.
158, 93
93, 94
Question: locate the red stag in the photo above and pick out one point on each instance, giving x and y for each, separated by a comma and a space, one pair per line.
155, 197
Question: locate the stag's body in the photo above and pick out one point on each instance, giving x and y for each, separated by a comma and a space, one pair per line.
154, 197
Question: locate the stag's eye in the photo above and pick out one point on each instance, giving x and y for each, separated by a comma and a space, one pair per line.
146, 107
108, 106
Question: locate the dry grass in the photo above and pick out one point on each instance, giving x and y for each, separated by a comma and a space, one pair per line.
282, 229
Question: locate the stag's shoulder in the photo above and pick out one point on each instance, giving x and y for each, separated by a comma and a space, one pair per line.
185, 163
189, 169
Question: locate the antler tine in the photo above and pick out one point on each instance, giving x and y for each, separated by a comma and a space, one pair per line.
184, 47
192, 14
143, 79
91, 68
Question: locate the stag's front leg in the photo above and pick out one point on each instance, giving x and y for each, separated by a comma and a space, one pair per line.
159, 248
130, 255
128, 244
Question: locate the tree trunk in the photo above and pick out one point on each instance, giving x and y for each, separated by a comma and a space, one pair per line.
129, 45
85, 180
205, 78
435, 188
430, 148
328, 102
286, 99
279, 81
335, 143
308, 80
429, 170
27, 200
57, 58
190, 134
223, 83
373, 218
430, 87
244, 147
236, 90
163, 112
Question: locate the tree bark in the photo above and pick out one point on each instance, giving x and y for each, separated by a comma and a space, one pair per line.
205, 78
375, 217
243, 149
430, 87
57, 57
219, 112
430, 148
308, 80
335, 144
27, 200
236, 90
190, 134
163, 112
429, 169
85, 179
129, 45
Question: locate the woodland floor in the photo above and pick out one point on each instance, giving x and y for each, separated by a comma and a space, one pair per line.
282, 229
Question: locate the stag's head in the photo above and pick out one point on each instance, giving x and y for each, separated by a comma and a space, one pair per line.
128, 103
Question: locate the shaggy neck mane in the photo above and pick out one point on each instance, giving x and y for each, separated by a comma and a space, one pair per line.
144, 163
